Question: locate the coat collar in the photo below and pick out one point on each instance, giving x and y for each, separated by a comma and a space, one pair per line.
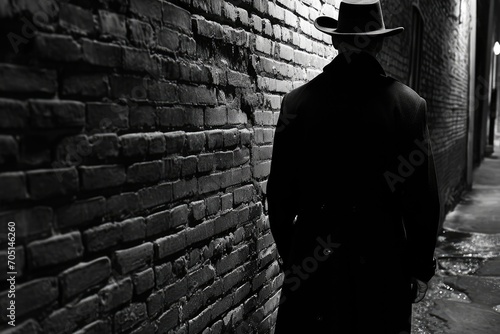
355, 63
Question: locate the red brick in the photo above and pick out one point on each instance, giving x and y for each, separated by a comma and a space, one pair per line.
50, 8
231, 138
226, 202
101, 54
170, 68
19, 79
143, 281
189, 166
141, 33
13, 185
156, 195
76, 19
216, 116
122, 205
87, 85
200, 277
158, 223
102, 237
162, 92
156, 143
224, 160
101, 177
128, 260
198, 210
20, 258
128, 317
169, 40
185, 188
128, 87
133, 229
197, 95
141, 61
150, 9
173, 167
81, 212
201, 232
195, 142
170, 244
241, 156
45, 183
116, 294
142, 117
30, 325
209, 183
107, 116
67, 318
176, 17
175, 141
237, 117
31, 296
96, 327
104, 146
32, 222
179, 216
134, 145
264, 45
46, 114
13, 113
83, 276
55, 250
145, 172
205, 163
112, 25
209, 6
213, 205
243, 194
155, 302
168, 320
49, 46
215, 139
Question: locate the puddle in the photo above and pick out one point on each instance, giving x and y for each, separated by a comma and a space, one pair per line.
422, 321
478, 245
454, 265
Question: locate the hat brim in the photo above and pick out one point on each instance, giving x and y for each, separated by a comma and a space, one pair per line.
328, 25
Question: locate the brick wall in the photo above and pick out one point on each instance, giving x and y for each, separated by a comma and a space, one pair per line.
135, 144
444, 81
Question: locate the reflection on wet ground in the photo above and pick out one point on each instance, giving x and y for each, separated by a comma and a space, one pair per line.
464, 295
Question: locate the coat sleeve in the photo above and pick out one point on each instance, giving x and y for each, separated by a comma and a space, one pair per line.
281, 191
420, 203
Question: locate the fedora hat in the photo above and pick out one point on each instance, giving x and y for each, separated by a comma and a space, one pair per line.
357, 18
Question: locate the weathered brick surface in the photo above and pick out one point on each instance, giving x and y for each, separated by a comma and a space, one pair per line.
55, 250
116, 294
133, 258
83, 276
135, 146
31, 296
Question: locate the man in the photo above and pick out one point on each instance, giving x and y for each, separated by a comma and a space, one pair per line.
352, 194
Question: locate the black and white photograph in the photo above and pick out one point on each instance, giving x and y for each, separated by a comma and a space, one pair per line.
249, 166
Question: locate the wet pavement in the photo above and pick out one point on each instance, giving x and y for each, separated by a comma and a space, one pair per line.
464, 296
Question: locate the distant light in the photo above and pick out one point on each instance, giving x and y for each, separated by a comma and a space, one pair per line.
496, 49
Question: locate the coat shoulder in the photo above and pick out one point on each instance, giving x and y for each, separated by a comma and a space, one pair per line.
404, 92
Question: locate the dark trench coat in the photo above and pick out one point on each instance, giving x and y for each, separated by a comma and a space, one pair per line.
352, 200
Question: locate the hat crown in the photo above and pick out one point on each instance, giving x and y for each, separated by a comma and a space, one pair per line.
359, 16
361, 2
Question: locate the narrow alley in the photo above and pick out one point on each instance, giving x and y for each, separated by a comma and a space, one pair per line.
136, 140
464, 297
